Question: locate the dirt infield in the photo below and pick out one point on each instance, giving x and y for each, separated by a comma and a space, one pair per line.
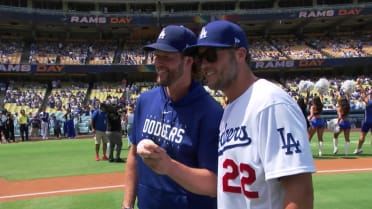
10, 191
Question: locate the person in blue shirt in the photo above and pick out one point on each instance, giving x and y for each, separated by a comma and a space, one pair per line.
181, 119
69, 125
98, 124
56, 124
367, 122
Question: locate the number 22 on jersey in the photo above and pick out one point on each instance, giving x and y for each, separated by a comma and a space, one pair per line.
248, 178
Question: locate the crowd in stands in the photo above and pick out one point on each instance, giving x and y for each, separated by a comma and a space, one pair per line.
342, 45
117, 93
72, 101
74, 96
66, 101
73, 52
297, 49
111, 52
10, 50
262, 50
30, 95
67, 96
43, 52
102, 52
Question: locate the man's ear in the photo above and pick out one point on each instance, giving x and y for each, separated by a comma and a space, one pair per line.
188, 61
241, 54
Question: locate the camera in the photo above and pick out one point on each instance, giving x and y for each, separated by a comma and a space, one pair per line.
111, 108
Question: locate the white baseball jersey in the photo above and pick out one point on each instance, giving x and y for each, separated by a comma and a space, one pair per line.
262, 137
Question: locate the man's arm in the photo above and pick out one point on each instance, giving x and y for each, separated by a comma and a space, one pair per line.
298, 191
130, 181
197, 180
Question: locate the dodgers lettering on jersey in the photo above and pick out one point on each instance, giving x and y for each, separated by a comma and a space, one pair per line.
233, 137
163, 130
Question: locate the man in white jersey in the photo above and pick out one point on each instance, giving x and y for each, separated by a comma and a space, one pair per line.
264, 157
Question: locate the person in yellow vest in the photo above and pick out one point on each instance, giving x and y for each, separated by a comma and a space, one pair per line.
23, 125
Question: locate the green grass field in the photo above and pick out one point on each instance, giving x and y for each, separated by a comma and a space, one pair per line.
328, 146
54, 158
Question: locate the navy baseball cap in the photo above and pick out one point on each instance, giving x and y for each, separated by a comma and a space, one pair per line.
220, 33
173, 38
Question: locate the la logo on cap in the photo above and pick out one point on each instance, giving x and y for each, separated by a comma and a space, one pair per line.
203, 33
237, 41
162, 34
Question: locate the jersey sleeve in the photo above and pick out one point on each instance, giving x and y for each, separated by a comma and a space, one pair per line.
283, 142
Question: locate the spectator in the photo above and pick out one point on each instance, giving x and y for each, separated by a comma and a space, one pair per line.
130, 120
23, 122
56, 125
9, 127
98, 124
367, 122
35, 124
69, 125
44, 128
2, 126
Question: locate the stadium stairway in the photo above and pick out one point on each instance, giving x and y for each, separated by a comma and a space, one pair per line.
46, 96
2, 97
89, 91
26, 53
117, 56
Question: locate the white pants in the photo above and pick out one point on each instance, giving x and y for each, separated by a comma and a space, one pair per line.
44, 129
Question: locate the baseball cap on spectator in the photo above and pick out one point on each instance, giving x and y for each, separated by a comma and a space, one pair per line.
173, 38
221, 34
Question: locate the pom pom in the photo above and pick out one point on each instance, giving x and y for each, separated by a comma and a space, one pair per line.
348, 87
322, 86
333, 125
305, 86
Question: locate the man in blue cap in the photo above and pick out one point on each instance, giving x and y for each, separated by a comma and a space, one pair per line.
179, 120
264, 157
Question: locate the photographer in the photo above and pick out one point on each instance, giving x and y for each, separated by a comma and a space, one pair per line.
9, 127
113, 132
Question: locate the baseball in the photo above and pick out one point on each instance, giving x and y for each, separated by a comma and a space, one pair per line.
141, 147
